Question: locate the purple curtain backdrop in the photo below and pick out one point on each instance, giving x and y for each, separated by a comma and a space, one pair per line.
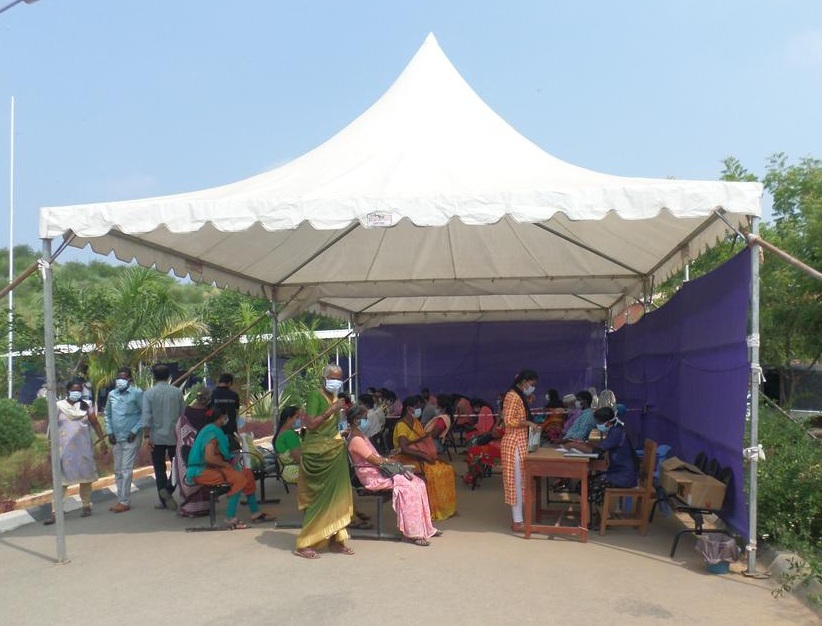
683, 372
481, 359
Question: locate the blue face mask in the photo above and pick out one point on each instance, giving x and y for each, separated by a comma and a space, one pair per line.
121, 383
417, 412
603, 428
364, 423
74, 396
298, 423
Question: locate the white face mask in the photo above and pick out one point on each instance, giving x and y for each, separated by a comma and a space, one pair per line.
417, 412
121, 383
528, 390
332, 385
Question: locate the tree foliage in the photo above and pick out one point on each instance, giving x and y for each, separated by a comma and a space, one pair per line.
16, 431
790, 311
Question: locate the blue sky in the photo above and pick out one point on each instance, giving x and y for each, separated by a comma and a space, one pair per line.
125, 99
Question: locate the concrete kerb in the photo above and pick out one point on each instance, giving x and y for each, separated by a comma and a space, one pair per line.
778, 563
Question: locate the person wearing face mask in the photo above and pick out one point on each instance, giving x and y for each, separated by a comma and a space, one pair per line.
417, 447
210, 462
287, 442
581, 429
124, 425
324, 486
516, 416
410, 498
622, 457
75, 419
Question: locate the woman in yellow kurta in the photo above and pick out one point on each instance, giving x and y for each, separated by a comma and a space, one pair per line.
417, 447
324, 485
514, 445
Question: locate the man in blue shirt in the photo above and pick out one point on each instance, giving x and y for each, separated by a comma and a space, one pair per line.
585, 423
124, 424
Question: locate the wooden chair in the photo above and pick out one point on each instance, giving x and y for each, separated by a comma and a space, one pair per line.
643, 495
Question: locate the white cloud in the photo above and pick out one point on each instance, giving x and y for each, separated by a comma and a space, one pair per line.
805, 48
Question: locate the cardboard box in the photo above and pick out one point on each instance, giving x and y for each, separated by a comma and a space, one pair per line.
701, 491
690, 484
674, 470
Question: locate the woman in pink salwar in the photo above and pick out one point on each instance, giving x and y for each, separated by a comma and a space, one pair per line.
410, 498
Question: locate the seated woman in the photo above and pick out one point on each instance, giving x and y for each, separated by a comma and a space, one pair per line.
552, 426
193, 499
484, 423
418, 448
210, 463
622, 457
287, 442
440, 425
484, 454
410, 498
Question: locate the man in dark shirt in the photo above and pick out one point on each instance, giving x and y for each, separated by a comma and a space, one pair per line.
228, 401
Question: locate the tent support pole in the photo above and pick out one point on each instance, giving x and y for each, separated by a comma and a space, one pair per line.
756, 373
352, 383
275, 392
51, 394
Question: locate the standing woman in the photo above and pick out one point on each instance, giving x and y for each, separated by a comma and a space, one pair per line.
418, 447
74, 419
324, 485
517, 418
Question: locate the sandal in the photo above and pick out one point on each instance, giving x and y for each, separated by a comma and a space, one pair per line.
307, 553
263, 517
419, 541
363, 517
361, 525
49, 520
518, 527
86, 511
340, 548
437, 533
236, 524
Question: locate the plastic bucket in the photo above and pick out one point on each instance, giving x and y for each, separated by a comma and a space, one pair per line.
723, 567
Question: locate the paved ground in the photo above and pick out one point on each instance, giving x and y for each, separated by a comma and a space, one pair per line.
141, 567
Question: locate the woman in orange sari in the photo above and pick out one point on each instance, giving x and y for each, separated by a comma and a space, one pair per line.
418, 448
517, 419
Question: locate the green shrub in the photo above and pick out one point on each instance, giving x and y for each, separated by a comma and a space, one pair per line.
16, 431
39, 409
790, 500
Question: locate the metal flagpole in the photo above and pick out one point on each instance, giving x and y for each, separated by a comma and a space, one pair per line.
10, 363
51, 386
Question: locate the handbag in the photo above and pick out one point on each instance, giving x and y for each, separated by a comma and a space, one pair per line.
392, 468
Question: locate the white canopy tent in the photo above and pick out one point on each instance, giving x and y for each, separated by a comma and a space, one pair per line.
429, 207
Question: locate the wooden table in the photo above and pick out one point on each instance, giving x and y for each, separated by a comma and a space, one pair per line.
552, 462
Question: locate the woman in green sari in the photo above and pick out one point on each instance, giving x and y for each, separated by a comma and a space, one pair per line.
324, 485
